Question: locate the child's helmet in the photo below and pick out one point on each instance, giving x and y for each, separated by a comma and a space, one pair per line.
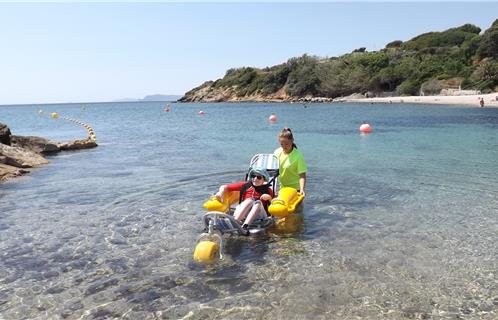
260, 171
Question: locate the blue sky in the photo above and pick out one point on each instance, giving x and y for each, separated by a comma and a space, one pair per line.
89, 52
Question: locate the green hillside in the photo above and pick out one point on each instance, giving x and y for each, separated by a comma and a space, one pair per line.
461, 56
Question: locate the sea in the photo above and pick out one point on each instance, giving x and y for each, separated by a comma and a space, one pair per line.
401, 223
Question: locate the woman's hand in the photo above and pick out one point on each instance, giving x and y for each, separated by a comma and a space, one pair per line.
265, 197
302, 192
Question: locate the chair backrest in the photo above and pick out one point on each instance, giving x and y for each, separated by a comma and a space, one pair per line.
270, 163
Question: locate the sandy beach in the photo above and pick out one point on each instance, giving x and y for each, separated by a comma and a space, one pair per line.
490, 100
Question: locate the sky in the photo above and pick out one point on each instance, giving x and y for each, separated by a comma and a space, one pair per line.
62, 52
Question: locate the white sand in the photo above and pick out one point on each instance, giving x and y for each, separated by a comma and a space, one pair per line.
490, 100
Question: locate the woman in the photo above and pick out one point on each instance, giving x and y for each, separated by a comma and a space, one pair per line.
292, 167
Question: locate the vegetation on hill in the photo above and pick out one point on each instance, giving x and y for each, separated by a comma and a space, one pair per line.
461, 56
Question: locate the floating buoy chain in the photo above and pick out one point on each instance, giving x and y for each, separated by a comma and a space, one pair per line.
89, 129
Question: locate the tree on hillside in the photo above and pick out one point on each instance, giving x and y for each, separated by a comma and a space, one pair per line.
330, 74
488, 47
450, 37
485, 76
302, 79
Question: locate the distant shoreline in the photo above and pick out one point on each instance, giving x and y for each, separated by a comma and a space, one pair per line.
490, 100
63, 103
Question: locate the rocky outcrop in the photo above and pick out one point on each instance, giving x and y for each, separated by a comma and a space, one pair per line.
78, 144
20, 152
21, 158
7, 172
4, 134
209, 93
35, 144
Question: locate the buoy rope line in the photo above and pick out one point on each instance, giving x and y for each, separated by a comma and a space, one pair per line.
89, 129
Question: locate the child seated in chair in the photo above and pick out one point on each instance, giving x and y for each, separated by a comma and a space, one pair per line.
255, 196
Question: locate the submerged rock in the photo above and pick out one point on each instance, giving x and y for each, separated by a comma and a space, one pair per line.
78, 144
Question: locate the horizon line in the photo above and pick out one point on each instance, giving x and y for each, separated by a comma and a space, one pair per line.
94, 102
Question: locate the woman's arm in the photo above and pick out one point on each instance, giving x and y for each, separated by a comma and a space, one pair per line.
302, 183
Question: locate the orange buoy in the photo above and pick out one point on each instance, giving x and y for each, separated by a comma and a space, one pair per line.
201, 113
272, 118
365, 128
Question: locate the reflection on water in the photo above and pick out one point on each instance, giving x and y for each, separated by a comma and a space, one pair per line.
400, 224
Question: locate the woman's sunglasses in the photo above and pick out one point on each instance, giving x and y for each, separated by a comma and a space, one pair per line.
257, 177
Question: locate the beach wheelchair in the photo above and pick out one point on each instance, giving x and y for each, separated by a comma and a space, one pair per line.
219, 220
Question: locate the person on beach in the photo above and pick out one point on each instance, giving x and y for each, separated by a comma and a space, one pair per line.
292, 167
481, 102
255, 196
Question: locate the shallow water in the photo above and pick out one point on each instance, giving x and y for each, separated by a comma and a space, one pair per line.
401, 223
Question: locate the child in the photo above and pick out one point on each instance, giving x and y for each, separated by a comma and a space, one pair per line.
255, 196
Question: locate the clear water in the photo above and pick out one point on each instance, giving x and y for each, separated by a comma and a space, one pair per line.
401, 223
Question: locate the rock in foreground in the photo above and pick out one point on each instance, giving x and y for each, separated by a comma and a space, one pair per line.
20, 152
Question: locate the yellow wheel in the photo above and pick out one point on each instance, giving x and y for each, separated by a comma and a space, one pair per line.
206, 251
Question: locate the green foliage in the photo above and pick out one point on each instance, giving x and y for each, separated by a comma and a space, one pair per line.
469, 47
488, 47
394, 44
408, 87
237, 77
450, 37
372, 61
469, 28
302, 78
362, 49
431, 87
331, 77
485, 76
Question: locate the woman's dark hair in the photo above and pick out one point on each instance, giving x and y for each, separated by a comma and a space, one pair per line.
287, 134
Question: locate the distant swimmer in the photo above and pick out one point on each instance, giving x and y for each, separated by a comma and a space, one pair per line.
481, 102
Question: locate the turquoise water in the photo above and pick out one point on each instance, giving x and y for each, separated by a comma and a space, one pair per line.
401, 223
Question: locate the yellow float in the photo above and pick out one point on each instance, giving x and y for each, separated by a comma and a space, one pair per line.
229, 199
285, 203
